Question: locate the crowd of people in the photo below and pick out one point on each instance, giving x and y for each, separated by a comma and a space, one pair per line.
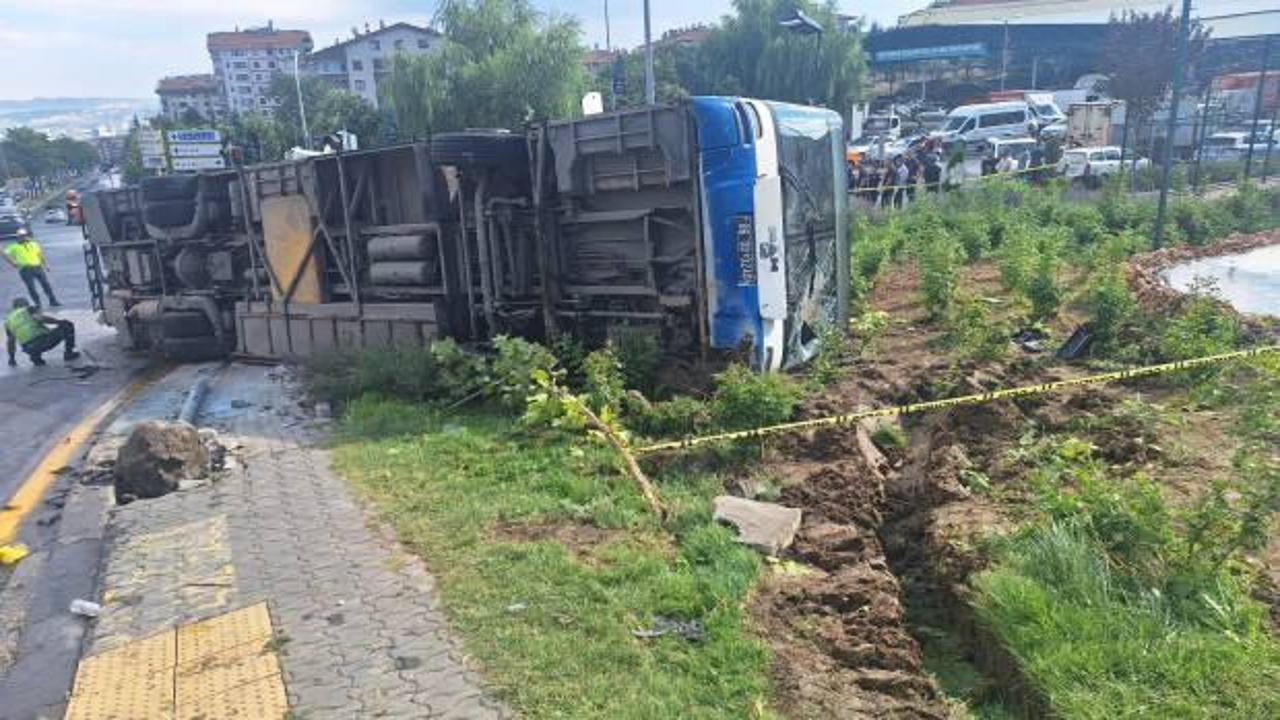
892, 182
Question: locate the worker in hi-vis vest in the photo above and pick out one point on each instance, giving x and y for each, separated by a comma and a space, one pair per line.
37, 334
27, 257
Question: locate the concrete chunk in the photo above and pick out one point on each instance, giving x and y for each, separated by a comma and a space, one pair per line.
763, 526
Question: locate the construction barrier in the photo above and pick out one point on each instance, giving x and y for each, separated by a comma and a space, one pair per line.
976, 399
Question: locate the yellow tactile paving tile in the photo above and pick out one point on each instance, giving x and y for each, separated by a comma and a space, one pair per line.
217, 669
261, 700
249, 626
133, 682
220, 674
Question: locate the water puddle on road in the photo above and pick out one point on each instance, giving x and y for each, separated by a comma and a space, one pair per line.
1250, 281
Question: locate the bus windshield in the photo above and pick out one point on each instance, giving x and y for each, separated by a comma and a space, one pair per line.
810, 164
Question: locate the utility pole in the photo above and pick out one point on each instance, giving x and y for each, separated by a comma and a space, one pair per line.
1271, 141
608, 38
650, 84
1004, 57
1035, 71
1257, 107
1179, 75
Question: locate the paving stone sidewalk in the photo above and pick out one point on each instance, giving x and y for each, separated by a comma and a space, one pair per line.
363, 635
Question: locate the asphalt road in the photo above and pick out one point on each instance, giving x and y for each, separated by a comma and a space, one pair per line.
37, 405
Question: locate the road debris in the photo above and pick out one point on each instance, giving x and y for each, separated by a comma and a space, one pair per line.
763, 526
156, 458
13, 554
690, 630
85, 608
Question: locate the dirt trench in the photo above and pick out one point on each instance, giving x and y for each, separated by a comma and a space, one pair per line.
889, 537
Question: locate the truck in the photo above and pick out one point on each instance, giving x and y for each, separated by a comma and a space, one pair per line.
1094, 124
716, 226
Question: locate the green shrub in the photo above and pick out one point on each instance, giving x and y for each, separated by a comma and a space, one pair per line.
746, 399
1113, 310
1042, 288
939, 257
511, 373
867, 327
1017, 257
834, 350
970, 229
1202, 327
972, 332
1087, 225
680, 416
640, 354
461, 373
889, 437
605, 384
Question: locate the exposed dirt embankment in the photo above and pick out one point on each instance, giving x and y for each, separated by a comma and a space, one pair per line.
838, 629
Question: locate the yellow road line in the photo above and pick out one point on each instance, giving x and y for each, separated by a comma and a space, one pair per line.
33, 489
912, 408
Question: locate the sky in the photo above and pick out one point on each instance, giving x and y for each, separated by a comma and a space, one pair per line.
119, 48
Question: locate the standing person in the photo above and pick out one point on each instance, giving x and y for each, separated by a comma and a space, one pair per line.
901, 175
932, 172
37, 334
913, 176
27, 257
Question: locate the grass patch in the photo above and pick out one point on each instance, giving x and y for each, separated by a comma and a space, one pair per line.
1119, 604
1099, 650
554, 630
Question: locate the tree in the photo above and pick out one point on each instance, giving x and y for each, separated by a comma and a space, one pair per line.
502, 63
30, 153
1137, 55
751, 53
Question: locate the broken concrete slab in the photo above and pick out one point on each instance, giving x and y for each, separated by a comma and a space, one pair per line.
767, 527
156, 457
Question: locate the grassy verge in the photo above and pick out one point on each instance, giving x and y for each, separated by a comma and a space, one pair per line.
520, 534
1118, 603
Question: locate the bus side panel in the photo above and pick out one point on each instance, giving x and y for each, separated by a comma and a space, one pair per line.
727, 168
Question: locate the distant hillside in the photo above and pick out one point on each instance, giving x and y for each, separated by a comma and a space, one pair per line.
78, 117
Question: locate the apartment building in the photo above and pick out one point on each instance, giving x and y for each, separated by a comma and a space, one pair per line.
359, 63
181, 95
245, 61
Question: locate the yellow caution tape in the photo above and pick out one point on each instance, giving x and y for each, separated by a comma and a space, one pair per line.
976, 399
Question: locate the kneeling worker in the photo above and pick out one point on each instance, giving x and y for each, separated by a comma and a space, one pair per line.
37, 333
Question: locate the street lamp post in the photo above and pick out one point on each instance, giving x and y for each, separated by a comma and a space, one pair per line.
302, 108
802, 24
650, 83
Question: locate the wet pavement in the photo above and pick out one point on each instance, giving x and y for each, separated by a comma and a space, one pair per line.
1249, 281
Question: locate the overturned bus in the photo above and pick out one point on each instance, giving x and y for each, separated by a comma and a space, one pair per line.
715, 225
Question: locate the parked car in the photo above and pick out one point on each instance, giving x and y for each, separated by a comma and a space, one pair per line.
1226, 146
55, 216
9, 227
1020, 149
1088, 165
972, 124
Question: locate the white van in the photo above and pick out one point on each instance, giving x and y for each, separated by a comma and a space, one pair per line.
972, 124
